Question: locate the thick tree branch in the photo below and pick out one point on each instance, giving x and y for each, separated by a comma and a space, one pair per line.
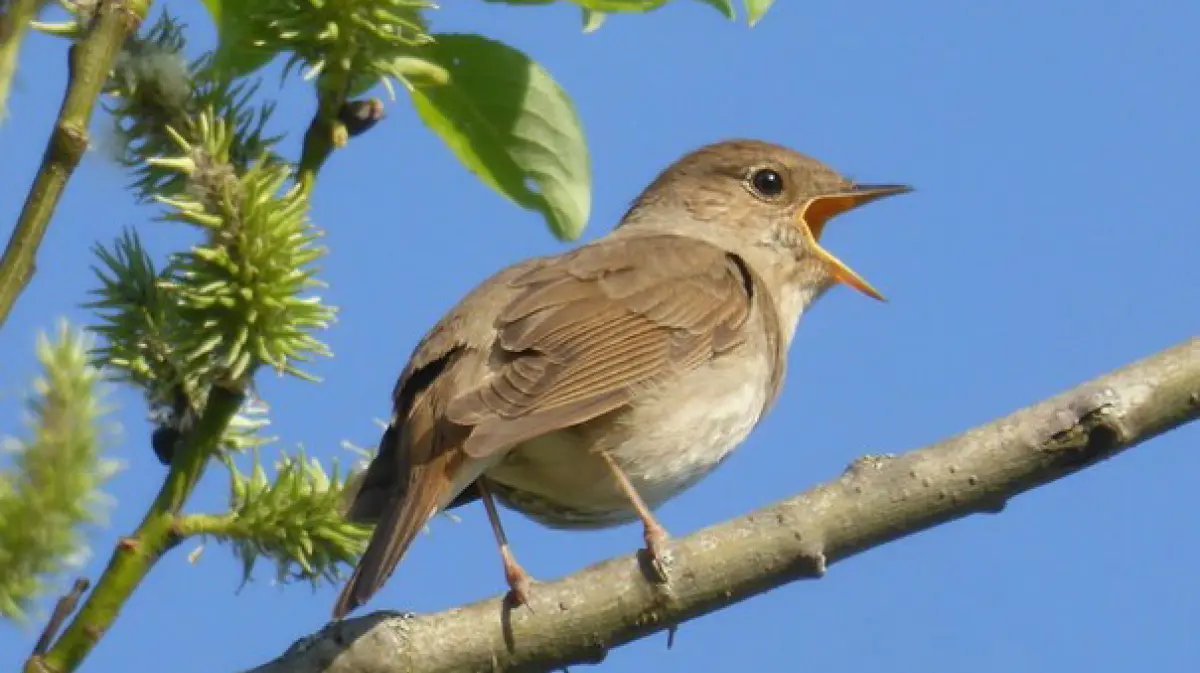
877, 499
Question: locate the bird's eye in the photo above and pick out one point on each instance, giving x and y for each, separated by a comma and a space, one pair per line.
766, 182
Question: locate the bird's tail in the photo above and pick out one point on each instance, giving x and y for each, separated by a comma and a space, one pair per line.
400, 521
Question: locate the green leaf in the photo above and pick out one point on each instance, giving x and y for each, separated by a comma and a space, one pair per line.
592, 20
236, 55
755, 9
725, 7
620, 5
597, 5
215, 8
512, 125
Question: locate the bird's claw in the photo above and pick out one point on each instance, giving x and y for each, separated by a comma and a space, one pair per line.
658, 556
519, 583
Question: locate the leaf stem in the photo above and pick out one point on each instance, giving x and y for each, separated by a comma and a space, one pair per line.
158, 532
326, 132
89, 62
216, 525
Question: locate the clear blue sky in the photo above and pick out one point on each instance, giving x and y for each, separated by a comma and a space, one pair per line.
1053, 237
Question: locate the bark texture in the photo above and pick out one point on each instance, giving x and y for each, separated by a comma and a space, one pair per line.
876, 500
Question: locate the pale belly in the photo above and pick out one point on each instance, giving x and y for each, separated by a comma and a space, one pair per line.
666, 442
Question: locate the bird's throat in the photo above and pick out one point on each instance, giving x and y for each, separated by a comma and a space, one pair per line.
792, 301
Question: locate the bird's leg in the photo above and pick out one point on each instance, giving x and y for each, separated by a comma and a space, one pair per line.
655, 535
518, 580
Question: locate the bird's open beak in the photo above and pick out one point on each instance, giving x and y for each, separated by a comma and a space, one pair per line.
823, 208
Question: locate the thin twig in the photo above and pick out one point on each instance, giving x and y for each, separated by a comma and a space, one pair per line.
135, 555
89, 62
62, 609
15, 16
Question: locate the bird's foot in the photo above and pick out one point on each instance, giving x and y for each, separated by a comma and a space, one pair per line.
656, 551
518, 580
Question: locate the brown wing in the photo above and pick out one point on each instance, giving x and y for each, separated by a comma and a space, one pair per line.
419, 466
592, 328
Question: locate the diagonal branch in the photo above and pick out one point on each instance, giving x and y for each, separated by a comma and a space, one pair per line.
136, 555
877, 499
90, 61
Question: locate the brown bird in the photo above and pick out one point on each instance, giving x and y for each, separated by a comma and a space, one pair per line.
587, 388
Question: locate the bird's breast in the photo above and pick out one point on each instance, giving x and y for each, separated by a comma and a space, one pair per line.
665, 441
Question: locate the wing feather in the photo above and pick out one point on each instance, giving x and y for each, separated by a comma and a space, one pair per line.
590, 329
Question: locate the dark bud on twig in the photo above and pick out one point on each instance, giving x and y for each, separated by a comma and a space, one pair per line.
360, 115
173, 425
163, 440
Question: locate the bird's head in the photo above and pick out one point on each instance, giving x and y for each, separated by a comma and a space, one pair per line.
762, 195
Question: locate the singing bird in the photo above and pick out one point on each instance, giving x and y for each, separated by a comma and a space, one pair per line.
587, 388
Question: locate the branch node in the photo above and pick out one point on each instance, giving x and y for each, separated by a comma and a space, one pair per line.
37, 664
1094, 436
811, 559
866, 464
176, 531
398, 622
71, 141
